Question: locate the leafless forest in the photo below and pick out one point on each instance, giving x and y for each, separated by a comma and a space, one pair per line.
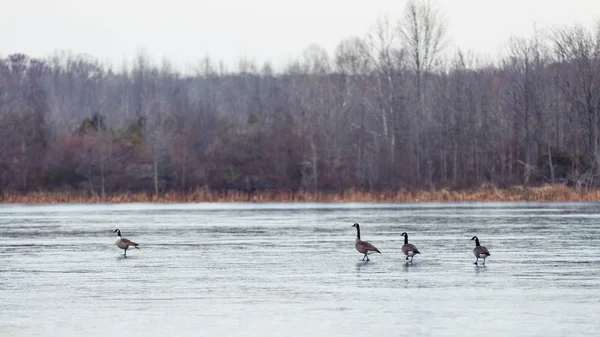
388, 110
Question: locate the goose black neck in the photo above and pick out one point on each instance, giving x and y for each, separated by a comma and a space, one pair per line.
358, 232
405, 239
476, 242
118, 233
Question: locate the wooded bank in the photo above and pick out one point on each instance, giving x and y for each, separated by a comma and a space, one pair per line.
385, 112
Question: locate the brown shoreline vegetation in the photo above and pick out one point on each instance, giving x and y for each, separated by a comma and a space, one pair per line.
483, 193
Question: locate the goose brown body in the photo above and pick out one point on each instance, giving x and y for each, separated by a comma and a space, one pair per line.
410, 249
363, 247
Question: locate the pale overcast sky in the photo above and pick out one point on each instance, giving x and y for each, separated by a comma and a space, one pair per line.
275, 30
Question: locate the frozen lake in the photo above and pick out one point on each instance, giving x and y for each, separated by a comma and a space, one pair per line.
292, 270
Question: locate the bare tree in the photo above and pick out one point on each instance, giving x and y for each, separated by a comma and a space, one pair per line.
354, 63
387, 58
423, 33
579, 50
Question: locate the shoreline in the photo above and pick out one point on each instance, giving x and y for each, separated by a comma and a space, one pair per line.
484, 193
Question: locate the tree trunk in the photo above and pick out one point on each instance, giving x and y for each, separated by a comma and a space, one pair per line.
183, 172
595, 135
90, 181
454, 163
102, 181
24, 165
155, 175
314, 163
418, 118
551, 165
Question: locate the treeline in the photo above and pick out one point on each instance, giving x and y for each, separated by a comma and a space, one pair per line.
386, 111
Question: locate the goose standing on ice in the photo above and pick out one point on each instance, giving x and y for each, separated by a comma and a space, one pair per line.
480, 251
408, 248
124, 243
363, 247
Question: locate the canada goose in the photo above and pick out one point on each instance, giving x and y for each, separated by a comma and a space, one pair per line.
124, 243
409, 249
480, 251
363, 247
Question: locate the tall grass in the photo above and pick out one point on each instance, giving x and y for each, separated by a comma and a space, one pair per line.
482, 193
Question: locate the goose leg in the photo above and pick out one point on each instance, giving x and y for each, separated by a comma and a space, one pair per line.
125, 253
476, 260
367, 257
484, 261
364, 257
406, 258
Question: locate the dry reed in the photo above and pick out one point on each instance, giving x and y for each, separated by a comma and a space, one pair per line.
482, 193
